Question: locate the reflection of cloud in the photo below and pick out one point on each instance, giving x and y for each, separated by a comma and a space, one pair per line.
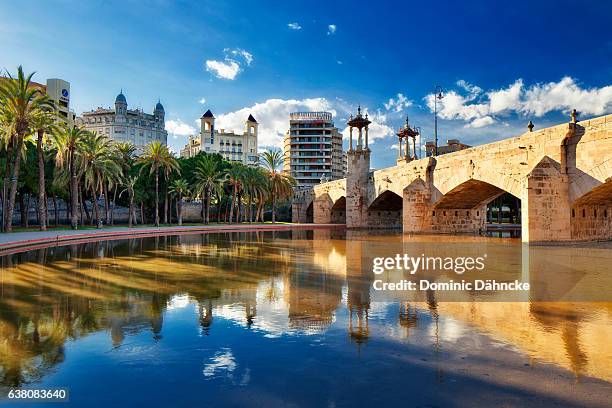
272, 312
178, 302
222, 362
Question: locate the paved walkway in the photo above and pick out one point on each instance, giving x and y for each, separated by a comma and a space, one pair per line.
27, 240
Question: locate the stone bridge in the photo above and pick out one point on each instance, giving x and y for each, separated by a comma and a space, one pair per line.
562, 176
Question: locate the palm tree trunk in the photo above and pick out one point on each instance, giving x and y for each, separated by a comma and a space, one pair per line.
231, 214
14, 178
96, 209
22, 210
55, 210
131, 210
143, 220
166, 206
179, 209
42, 210
106, 203
27, 211
208, 207
74, 195
204, 210
273, 208
7, 173
112, 214
156, 198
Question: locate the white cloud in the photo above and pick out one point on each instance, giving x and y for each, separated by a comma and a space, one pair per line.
331, 29
272, 116
240, 53
481, 122
536, 100
231, 65
397, 104
294, 26
179, 128
339, 62
223, 69
202, 101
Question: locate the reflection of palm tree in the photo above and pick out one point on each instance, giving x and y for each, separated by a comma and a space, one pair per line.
206, 315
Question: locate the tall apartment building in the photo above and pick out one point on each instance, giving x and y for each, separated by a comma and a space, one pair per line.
313, 148
125, 125
59, 91
232, 146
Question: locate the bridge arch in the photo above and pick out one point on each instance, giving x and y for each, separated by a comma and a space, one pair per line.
385, 211
591, 214
476, 206
338, 211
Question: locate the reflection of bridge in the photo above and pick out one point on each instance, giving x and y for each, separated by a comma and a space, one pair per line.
562, 176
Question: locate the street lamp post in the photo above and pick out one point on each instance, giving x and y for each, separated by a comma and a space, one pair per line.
437, 96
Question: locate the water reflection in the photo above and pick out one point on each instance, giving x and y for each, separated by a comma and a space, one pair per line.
290, 285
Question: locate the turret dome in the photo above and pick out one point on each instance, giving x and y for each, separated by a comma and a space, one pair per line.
121, 98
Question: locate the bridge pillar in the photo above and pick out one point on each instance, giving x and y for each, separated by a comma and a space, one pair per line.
417, 207
322, 206
358, 171
546, 212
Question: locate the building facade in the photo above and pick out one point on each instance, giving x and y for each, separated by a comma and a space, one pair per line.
232, 146
452, 145
313, 148
125, 125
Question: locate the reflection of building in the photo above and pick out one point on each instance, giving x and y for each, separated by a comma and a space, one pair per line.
124, 125
232, 146
313, 148
453, 145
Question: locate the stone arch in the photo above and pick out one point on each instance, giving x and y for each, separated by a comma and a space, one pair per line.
309, 213
591, 214
473, 172
464, 209
338, 211
385, 211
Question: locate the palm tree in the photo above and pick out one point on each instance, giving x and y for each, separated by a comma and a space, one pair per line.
44, 123
255, 183
234, 179
130, 184
21, 102
67, 143
208, 180
179, 188
123, 153
98, 165
156, 157
280, 185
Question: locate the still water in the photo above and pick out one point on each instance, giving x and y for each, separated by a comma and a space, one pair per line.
289, 318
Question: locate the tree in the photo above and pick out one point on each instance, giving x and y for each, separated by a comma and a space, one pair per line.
43, 123
130, 182
280, 185
180, 188
255, 187
209, 179
97, 166
21, 101
156, 157
234, 179
67, 142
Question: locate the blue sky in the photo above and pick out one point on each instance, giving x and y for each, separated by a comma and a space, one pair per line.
501, 64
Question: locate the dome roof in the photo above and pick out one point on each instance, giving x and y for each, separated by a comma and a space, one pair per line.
121, 98
159, 106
